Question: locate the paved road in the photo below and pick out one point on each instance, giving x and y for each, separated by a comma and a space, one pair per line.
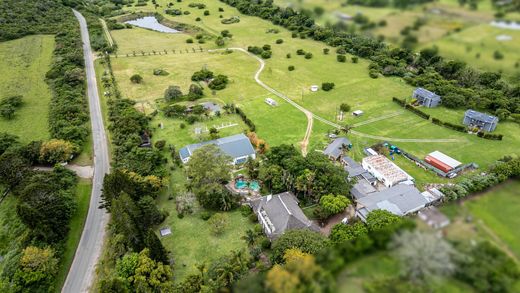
311, 116
82, 271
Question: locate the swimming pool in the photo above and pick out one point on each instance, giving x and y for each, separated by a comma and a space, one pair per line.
243, 184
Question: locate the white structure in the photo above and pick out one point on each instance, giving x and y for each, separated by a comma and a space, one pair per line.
271, 102
385, 170
357, 113
314, 88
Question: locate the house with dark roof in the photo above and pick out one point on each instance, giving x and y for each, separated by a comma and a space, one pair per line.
279, 213
238, 147
426, 98
336, 148
400, 200
483, 121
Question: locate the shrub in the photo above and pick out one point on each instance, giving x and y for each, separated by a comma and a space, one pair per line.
327, 86
300, 52
290, 68
326, 51
417, 111
266, 54
341, 58
205, 215
308, 55
246, 210
160, 72
279, 41
219, 82
56, 151
206, 12
294, 35
172, 93
218, 223
220, 9
265, 243
497, 55
189, 41
198, 19
355, 59
136, 78
399, 101
266, 47
373, 73
160, 144
253, 218
288, 55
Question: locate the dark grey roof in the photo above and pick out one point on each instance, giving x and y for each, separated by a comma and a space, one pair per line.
235, 146
212, 107
355, 169
426, 94
362, 188
400, 199
480, 116
281, 213
334, 148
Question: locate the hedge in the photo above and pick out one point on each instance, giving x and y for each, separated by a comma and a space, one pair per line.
417, 111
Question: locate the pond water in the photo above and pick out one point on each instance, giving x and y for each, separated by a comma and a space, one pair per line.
151, 22
506, 24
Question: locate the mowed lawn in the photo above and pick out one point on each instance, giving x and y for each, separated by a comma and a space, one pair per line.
498, 208
23, 65
191, 242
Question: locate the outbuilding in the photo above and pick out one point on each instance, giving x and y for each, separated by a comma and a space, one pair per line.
441, 161
426, 98
357, 113
480, 120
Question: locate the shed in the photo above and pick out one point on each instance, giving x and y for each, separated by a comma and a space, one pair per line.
426, 98
441, 161
271, 102
480, 120
357, 113
314, 88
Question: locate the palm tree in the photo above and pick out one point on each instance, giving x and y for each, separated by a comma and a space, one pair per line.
346, 129
249, 237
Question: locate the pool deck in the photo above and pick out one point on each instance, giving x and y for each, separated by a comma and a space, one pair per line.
246, 193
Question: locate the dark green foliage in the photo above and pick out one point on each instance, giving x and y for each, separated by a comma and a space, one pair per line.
327, 86
308, 55
279, 41
9, 105
305, 240
487, 269
173, 94
247, 121
341, 58
136, 78
160, 72
202, 75
219, 82
13, 169
7, 141
417, 111
157, 250
290, 68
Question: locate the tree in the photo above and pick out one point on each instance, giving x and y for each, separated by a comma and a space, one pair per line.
152, 276
219, 82
218, 223
341, 233
208, 164
327, 86
291, 68
37, 269
172, 93
300, 273
305, 240
382, 225
423, 255
195, 92
13, 169
7, 141
46, 209
7, 111
344, 107
487, 268
136, 78
228, 269
220, 41
252, 168
56, 151
334, 204
202, 75
149, 213
157, 251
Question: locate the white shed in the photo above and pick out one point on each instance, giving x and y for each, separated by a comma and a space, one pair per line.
357, 113
314, 88
271, 102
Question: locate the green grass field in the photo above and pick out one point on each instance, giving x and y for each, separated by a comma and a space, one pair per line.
498, 209
191, 241
12, 230
77, 222
23, 65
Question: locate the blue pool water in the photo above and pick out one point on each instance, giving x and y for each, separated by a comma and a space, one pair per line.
242, 184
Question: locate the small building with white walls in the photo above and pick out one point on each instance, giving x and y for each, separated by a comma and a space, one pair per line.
385, 170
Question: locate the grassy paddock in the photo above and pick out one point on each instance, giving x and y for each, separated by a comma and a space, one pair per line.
23, 65
77, 222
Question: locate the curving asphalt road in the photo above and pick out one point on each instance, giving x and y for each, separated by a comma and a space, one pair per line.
82, 271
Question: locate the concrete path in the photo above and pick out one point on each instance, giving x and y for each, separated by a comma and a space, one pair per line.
82, 271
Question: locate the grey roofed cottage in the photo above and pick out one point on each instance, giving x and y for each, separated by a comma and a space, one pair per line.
400, 200
211, 107
279, 213
238, 147
426, 98
483, 121
335, 148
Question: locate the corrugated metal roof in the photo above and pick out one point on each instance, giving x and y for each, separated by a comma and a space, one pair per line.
426, 93
235, 146
406, 198
334, 148
445, 159
480, 116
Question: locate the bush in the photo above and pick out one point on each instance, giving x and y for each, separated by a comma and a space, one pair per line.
399, 101
265, 243
218, 223
355, 59
246, 210
305, 240
189, 41
300, 52
497, 55
219, 82
205, 215
160, 72
373, 73
417, 111
160, 144
341, 58
288, 55
326, 51
327, 86
136, 78
266, 54
173, 93
279, 41
290, 68
198, 19
206, 12
253, 218
308, 55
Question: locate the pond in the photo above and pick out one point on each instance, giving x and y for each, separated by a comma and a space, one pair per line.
151, 22
506, 24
